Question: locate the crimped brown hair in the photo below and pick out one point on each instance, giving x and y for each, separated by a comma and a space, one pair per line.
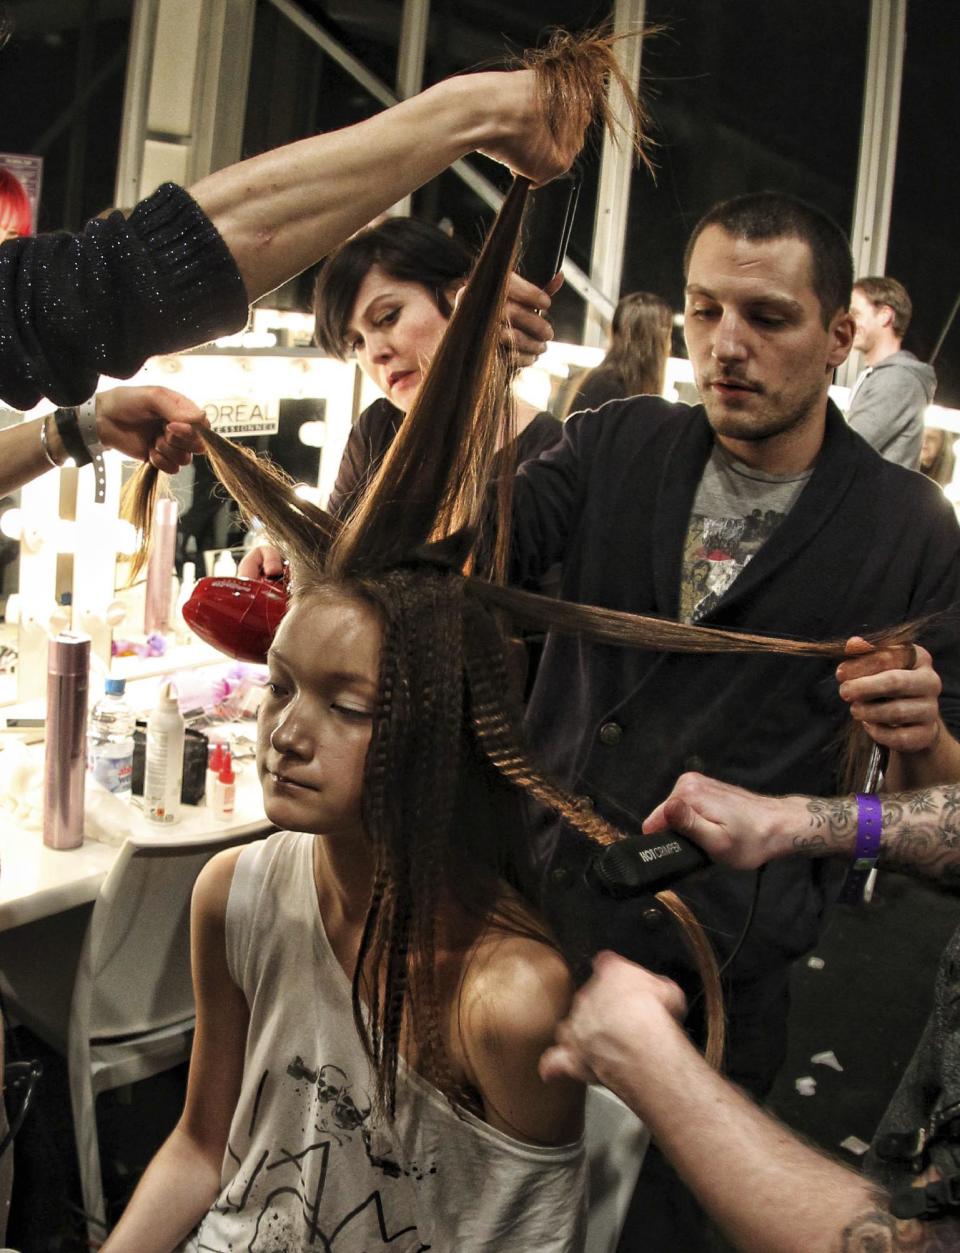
447, 766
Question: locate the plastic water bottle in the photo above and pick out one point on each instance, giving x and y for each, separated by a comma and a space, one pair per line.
110, 740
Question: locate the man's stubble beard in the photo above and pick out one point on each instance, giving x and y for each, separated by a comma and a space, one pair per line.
754, 427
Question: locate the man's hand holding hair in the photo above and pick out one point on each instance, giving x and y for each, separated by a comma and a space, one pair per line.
739, 828
899, 708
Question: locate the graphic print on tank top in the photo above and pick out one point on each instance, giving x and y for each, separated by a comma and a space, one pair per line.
290, 1194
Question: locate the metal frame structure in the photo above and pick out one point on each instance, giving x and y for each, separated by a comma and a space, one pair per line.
616, 168
186, 91
411, 59
870, 231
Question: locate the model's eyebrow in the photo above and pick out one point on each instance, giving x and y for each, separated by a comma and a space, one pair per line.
768, 300
355, 677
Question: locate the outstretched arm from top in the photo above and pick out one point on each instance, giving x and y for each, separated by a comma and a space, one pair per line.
282, 210
182, 269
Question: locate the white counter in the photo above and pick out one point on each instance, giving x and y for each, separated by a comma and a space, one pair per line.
36, 881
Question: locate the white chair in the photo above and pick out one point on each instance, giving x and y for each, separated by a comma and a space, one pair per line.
616, 1142
110, 988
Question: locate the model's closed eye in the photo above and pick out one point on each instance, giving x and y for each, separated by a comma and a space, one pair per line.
352, 711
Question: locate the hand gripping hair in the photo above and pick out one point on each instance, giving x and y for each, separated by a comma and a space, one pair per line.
447, 767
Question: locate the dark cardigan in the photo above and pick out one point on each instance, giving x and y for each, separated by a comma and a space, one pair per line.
867, 545
73, 307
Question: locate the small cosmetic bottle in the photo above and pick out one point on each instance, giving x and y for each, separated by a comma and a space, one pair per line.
224, 789
65, 760
214, 762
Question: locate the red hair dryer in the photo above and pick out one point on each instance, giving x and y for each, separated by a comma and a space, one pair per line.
238, 616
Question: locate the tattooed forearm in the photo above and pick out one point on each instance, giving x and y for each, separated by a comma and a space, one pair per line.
921, 831
877, 1231
833, 824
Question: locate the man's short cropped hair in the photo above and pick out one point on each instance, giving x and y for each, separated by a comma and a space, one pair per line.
887, 291
767, 215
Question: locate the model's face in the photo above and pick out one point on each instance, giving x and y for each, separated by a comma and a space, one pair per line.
752, 321
314, 723
869, 320
394, 330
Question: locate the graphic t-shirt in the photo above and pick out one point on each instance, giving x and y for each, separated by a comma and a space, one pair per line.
309, 1163
735, 512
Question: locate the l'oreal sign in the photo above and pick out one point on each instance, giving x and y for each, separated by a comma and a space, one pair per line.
237, 416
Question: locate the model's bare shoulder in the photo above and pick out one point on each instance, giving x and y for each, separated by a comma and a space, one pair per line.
515, 991
212, 888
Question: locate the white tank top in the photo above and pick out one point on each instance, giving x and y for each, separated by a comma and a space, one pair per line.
307, 1165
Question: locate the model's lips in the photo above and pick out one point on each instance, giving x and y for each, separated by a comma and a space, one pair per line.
284, 781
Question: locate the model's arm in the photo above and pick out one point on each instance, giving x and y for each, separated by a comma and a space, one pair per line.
282, 210
183, 1179
900, 709
770, 1192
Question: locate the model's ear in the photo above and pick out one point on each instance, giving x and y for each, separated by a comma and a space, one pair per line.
840, 334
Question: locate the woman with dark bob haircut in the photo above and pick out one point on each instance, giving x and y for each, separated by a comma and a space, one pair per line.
385, 297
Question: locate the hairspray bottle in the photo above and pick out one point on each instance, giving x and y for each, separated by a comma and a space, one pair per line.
157, 618
163, 759
65, 761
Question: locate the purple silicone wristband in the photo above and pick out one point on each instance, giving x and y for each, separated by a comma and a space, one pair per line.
869, 826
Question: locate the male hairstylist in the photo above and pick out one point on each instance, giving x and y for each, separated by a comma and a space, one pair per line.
762, 510
759, 509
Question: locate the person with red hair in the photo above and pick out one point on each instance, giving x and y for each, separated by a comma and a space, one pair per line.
15, 213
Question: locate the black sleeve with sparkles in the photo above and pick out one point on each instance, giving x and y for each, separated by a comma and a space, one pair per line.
74, 306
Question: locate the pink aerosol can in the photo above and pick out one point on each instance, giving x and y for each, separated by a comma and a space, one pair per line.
65, 762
